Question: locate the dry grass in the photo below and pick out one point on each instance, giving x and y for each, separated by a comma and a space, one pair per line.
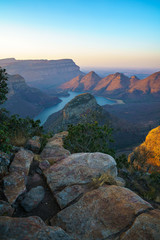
103, 179
19, 139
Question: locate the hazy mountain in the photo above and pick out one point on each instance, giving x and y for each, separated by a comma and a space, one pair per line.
42, 73
25, 100
82, 83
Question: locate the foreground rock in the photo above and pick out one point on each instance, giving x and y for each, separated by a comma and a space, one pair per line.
14, 183
29, 228
101, 213
54, 150
5, 209
146, 226
77, 169
33, 198
34, 144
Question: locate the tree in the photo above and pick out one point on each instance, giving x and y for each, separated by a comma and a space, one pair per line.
3, 85
89, 137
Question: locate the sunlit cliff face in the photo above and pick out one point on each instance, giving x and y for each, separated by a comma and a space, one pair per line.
147, 155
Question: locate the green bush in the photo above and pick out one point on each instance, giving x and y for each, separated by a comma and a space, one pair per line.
122, 161
89, 137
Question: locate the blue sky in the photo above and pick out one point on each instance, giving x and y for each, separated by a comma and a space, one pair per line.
115, 33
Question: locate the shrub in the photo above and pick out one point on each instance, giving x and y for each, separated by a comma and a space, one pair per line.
122, 161
89, 137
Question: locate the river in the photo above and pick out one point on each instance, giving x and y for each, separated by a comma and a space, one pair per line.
48, 111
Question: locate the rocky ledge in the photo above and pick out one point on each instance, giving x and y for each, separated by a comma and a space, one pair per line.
58, 195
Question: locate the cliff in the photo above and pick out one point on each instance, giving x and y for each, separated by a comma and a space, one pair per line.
42, 73
25, 100
147, 155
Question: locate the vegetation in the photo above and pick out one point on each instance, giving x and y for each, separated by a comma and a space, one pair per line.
89, 137
101, 180
15, 131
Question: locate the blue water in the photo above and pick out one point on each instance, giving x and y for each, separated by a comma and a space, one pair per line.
48, 111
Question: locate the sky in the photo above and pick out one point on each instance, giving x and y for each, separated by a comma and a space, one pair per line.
94, 33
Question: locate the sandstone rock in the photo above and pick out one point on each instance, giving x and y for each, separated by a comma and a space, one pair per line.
14, 184
101, 213
22, 161
54, 151
57, 139
5, 209
29, 228
33, 198
34, 144
146, 226
79, 168
4, 163
44, 165
69, 194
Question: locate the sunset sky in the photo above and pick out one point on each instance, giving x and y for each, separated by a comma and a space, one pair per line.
94, 33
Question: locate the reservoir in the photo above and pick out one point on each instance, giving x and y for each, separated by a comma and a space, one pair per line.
48, 111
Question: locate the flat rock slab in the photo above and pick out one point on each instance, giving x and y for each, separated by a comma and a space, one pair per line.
5, 209
31, 228
146, 226
79, 169
33, 198
14, 183
101, 213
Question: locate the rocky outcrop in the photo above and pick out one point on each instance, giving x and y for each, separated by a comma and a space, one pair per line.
14, 183
69, 178
102, 213
83, 108
42, 73
146, 156
25, 100
29, 228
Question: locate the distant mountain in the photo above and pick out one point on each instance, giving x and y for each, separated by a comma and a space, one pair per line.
80, 109
24, 100
117, 85
82, 83
42, 73
149, 85
112, 84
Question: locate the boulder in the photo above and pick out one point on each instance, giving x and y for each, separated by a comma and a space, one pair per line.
29, 228
79, 169
22, 161
33, 198
34, 144
4, 164
54, 150
102, 213
14, 183
146, 226
5, 209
